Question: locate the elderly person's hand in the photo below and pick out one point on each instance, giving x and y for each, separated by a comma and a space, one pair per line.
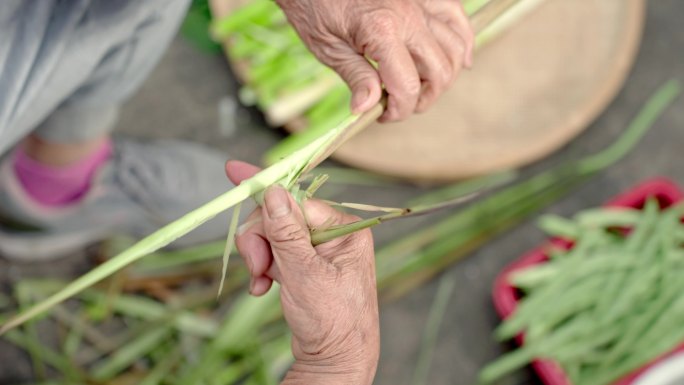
328, 292
419, 47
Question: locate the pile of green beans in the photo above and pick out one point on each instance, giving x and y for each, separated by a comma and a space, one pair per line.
609, 305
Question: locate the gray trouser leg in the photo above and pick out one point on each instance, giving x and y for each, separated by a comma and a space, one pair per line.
66, 66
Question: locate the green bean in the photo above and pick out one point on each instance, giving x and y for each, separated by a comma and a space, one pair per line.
541, 303
508, 363
667, 334
644, 228
558, 227
530, 278
625, 294
614, 217
593, 343
571, 268
637, 326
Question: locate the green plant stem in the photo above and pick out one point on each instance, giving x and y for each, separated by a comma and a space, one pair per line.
135, 307
466, 187
30, 333
48, 355
327, 235
157, 375
512, 16
230, 242
286, 172
125, 355
435, 317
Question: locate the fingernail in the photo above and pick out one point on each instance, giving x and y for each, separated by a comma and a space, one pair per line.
277, 202
360, 98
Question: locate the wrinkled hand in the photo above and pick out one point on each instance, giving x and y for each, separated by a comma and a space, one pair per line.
328, 292
419, 46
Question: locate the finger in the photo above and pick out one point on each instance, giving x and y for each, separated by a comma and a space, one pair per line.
260, 285
237, 171
452, 45
256, 252
463, 27
363, 80
288, 236
399, 75
254, 248
453, 14
319, 214
433, 66
348, 250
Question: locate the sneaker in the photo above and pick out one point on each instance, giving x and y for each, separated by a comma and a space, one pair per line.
144, 186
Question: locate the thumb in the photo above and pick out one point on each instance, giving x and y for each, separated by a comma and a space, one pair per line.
362, 79
288, 235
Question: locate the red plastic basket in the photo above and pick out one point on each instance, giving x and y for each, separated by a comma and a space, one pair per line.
506, 297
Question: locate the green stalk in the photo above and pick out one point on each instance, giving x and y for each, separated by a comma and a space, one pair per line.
435, 317
290, 103
333, 108
231, 373
177, 258
82, 329
467, 187
262, 70
131, 352
135, 307
653, 109
34, 346
326, 235
472, 6
72, 342
351, 176
507, 20
221, 29
49, 356
285, 172
239, 331
230, 242
163, 369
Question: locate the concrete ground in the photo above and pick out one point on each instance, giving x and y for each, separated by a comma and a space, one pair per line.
180, 100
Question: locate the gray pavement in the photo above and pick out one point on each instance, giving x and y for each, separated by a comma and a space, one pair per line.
180, 100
